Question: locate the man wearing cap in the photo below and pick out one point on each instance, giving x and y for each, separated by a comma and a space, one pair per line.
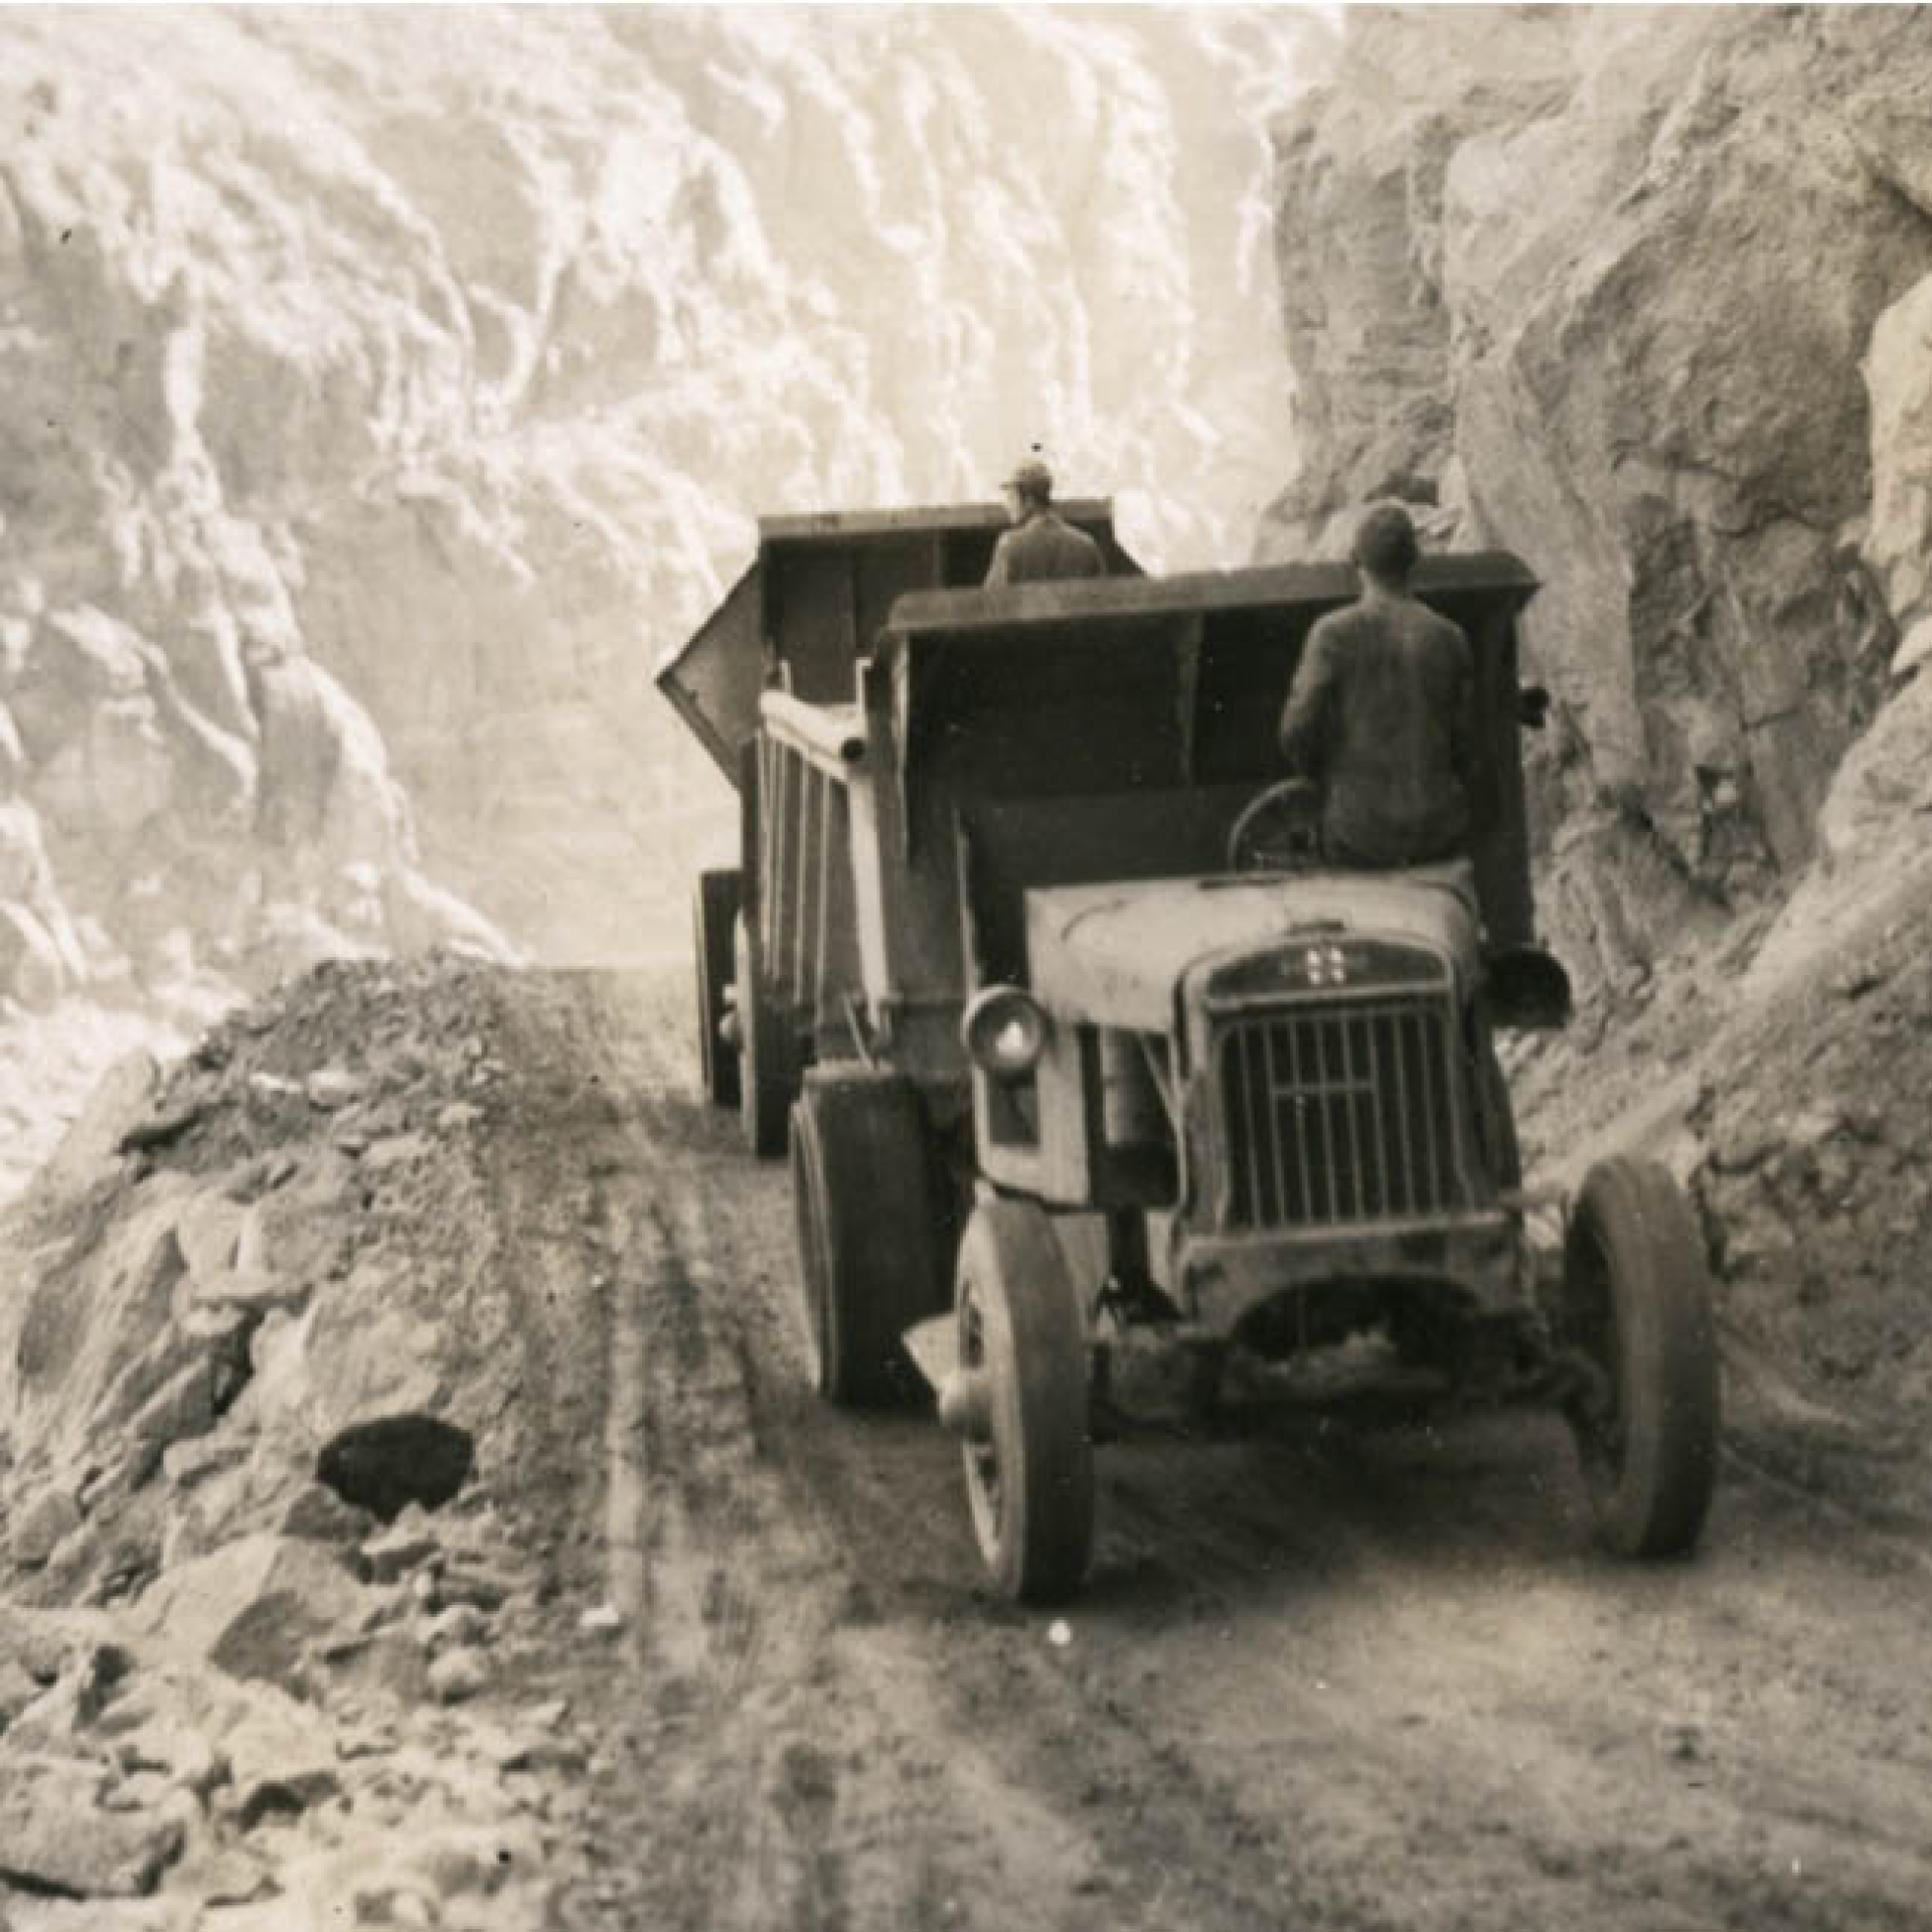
1380, 710
1040, 546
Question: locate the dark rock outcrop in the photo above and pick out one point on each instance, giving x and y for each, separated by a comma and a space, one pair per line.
1642, 296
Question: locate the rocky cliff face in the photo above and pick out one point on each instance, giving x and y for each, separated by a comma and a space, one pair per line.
383, 392
1644, 296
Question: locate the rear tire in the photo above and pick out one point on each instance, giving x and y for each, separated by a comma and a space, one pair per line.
767, 1077
869, 1232
1637, 1308
713, 918
1030, 1482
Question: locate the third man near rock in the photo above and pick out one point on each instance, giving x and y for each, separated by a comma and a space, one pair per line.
1380, 712
1041, 544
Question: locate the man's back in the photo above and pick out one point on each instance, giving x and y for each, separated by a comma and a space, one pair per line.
1380, 710
1042, 547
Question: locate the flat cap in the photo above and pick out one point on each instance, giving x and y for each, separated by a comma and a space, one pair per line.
1032, 475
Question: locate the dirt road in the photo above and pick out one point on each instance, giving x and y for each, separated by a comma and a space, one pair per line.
1319, 1679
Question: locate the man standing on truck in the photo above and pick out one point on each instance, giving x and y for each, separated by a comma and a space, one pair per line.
1380, 713
1041, 544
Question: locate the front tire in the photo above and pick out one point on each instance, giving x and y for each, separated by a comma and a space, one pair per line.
1636, 1311
1029, 1477
868, 1229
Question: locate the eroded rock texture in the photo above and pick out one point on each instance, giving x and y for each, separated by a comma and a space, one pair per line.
1642, 294
381, 394
384, 395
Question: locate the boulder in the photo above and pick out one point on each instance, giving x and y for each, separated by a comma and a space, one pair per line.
300, 1233
358, 1355
458, 1674
56, 1834
178, 1751
120, 1102
91, 1678
255, 1606
407, 1544
319, 1514
87, 1346
396, 1151
457, 1626
181, 1408
1546, 371
48, 1643
282, 1758
329, 1087
208, 1232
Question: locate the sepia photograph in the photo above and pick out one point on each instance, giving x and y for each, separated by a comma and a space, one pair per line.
965, 968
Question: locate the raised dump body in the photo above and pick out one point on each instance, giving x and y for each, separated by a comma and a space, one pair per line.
791, 637
817, 594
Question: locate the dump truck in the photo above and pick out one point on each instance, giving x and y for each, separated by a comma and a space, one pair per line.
1096, 1083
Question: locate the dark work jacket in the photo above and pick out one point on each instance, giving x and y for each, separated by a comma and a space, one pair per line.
1380, 712
1042, 548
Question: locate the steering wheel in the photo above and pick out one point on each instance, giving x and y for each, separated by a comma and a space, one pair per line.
1278, 830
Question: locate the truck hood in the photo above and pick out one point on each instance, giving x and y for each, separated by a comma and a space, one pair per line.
1114, 955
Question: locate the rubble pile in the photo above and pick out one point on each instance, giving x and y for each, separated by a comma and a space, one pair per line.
257, 1406
1814, 1181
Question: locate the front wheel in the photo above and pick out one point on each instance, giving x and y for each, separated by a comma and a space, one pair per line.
1029, 1463
1636, 1320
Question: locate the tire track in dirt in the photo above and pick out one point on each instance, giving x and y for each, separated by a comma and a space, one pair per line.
784, 1776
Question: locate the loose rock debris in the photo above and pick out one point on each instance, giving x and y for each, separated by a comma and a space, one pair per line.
255, 1384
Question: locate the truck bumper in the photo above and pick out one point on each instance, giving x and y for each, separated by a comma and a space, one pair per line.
1482, 1259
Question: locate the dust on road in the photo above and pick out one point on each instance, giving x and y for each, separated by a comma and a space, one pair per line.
1353, 1679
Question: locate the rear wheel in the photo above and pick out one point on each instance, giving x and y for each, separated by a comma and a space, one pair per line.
1636, 1320
713, 918
868, 1229
1029, 1464
766, 1059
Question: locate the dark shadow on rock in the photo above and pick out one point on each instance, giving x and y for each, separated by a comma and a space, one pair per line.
385, 1465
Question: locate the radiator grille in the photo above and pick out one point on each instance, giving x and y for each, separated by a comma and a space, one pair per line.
1338, 1115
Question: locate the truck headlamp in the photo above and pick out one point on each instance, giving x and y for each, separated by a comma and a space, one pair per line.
1005, 1030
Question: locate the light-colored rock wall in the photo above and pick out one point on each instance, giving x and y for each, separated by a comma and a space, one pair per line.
384, 392
1640, 293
